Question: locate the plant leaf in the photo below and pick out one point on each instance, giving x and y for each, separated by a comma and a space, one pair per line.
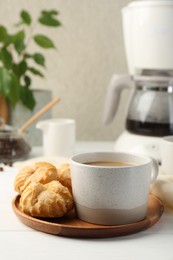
6, 58
27, 80
26, 18
20, 68
39, 59
5, 81
3, 33
43, 41
27, 97
9, 86
14, 91
8, 40
18, 40
51, 12
47, 19
35, 72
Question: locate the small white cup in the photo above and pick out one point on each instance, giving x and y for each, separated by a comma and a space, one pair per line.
112, 195
58, 136
166, 148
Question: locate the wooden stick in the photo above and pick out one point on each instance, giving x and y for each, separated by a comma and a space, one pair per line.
39, 113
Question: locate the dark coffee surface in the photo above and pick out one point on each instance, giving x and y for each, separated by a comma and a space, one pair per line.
149, 128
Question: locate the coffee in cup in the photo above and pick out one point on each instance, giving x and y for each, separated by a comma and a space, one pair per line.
108, 163
111, 188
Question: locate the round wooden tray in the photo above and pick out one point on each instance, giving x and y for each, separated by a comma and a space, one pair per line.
71, 226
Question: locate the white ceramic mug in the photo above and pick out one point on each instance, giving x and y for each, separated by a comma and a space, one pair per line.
166, 148
112, 195
58, 136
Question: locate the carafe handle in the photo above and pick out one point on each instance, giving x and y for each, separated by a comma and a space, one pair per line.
116, 85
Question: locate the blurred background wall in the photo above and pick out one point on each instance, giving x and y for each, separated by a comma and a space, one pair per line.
90, 49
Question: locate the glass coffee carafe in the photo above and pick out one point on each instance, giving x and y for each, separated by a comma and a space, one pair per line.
151, 108
150, 112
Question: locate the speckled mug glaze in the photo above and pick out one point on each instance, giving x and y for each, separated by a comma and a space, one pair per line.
112, 195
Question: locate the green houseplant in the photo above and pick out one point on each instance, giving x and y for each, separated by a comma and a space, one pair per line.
17, 64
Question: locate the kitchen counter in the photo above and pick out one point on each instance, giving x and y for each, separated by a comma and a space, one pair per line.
18, 241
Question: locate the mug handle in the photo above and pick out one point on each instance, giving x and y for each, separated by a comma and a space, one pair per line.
155, 170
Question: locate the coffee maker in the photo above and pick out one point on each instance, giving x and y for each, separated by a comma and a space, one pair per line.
148, 38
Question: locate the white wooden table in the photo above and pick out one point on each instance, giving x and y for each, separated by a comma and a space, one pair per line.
18, 241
